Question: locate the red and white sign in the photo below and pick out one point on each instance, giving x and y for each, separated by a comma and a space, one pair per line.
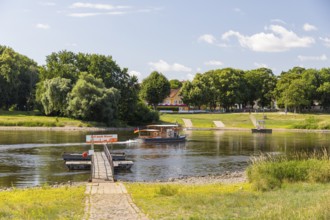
101, 139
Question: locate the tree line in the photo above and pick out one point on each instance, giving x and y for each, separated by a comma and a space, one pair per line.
77, 85
294, 90
93, 87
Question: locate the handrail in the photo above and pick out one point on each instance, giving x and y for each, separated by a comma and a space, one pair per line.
109, 157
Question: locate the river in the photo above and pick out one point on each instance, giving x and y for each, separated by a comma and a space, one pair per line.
30, 158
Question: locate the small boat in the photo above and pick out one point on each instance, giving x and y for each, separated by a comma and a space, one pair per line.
160, 134
261, 128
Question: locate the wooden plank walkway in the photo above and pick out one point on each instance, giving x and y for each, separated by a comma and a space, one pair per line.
102, 170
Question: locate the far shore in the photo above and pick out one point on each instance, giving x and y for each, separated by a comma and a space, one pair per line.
71, 128
66, 128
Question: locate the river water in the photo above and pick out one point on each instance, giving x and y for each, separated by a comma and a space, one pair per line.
30, 158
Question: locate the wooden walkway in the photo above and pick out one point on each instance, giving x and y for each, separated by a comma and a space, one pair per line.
102, 168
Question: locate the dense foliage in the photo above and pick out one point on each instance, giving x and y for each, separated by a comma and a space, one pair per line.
18, 77
295, 90
89, 87
93, 87
155, 88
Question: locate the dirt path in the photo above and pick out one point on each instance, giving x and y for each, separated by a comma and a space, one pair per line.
110, 201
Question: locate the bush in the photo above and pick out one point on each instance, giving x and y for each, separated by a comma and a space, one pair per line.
308, 123
270, 172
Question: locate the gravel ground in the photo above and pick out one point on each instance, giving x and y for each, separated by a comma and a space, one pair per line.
227, 177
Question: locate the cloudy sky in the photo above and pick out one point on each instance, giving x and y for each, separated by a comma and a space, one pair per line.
176, 37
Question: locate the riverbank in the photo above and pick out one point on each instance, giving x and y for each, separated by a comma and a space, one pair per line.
65, 128
211, 121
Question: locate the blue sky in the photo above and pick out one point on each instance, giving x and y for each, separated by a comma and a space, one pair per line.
178, 38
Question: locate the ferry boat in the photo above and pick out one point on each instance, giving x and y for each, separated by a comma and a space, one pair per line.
160, 134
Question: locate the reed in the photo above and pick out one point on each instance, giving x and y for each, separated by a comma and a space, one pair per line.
269, 171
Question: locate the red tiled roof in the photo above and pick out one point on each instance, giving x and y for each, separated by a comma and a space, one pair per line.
173, 92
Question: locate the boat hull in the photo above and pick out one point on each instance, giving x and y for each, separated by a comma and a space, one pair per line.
263, 130
162, 140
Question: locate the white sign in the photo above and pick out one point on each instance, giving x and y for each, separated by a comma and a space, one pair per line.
101, 139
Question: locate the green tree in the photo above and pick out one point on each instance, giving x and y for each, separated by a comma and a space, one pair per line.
155, 88
323, 91
52, 94
291, 90
261, 84
91, 100
175, 84
185, 93
230, 86
69, 65
18, 77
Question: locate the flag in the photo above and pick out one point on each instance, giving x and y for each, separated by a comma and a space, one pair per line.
136, 130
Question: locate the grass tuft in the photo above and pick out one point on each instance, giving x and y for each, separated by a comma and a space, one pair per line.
271, 171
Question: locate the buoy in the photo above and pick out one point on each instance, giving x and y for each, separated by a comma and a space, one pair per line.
85, 154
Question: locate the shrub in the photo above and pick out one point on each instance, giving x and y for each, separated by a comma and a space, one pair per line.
308, 123
269, 172
167, 190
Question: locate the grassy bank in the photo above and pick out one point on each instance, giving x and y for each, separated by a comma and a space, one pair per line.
32, 119
242, 120
280, 187
43, 203
235, 201
271, 171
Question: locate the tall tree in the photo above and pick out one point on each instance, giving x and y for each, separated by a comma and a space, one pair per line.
91, 100
261, 84
69, 65
230, 84
18, 77
175, 84
53, 95
155, 88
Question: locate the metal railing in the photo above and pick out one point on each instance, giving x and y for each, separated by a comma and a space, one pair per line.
109, 157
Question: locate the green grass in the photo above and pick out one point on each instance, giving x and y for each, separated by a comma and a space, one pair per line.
242, 120
43, 203
234, 201
234, 120
271, 171
32, 119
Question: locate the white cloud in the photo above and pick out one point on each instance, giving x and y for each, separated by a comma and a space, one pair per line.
260, 65
190, 76
323, 57
42, 26
276, 20
277, 40
83, 15
72, 44
136, 73
213, 63
326, 41
104, 9
93, 6
163, 66
48, 3
208, 38
309, 27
